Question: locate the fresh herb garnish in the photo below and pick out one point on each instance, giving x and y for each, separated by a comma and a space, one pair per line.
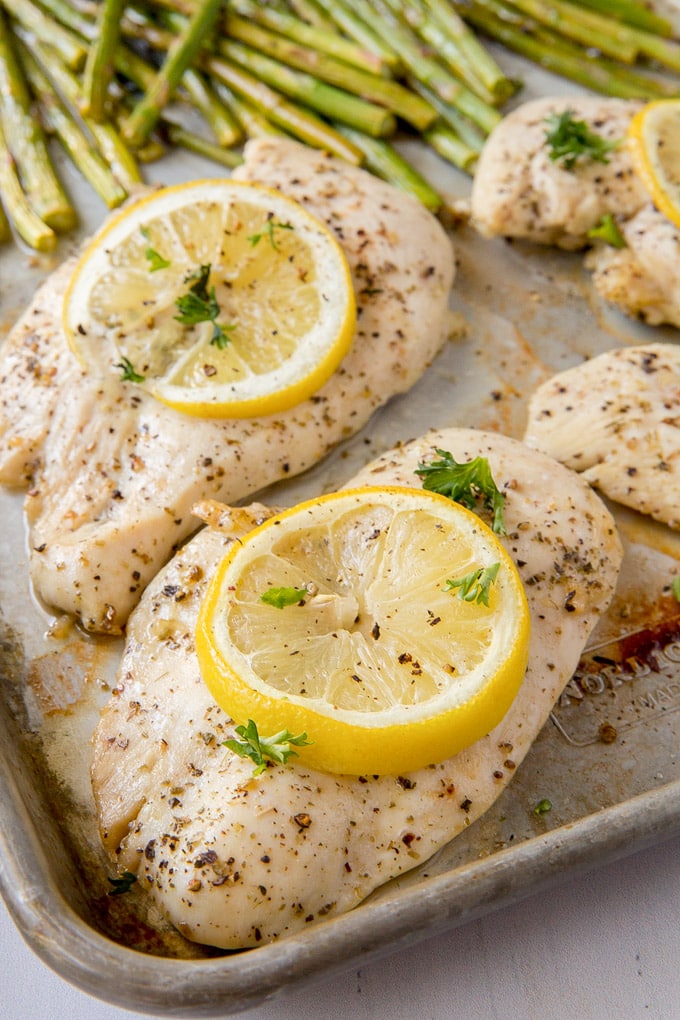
464, 484
154, 258
264, 749
675, 587
607, 230
474, 587
123, 884
569, 140
128, 373
543, 807
200, 305
268, 231
280, 597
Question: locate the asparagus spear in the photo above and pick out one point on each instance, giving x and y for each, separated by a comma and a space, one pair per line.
325, 99
582, 26
254, 124
382, 91
640, 15
76, 144
424, 67
295, 120
40, 183
180, 137
322, 40
349, 22
449, 145
106, 137
222, 123
5, 229
72, 49
383, 160
145, 114
28, 225
460, 125
99, 66
312, 12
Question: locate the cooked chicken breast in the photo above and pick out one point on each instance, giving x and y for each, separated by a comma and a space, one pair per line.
643, 278
234, 860
113, 473
518, 191
616, 419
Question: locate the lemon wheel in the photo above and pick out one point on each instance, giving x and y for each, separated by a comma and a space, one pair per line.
371, 645
654, 144
220, 298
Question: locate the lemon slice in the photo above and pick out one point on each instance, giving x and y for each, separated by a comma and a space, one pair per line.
377, 659
654, 144
221, 298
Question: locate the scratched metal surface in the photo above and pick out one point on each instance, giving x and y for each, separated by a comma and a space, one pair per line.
608, 760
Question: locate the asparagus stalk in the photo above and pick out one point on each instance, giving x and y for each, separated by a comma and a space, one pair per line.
323, 41
99, 66
253, 123
27, 224
460, 125
180, 137
326, 99
349, 22
111, 146
383, 160
486, 68
71, 49
640, 15
550, 51
223, 124
383, 91
448, 144
40, 183
423, 67
5, 229
146, 113
77, 145
312, 12
582, 26
301, 123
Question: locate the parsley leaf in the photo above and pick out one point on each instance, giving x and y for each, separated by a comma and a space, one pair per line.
123, 884
543, 807
264, 749
607, 230
268, 231
128, 373
568, 140
464, 483
154, 258
280, 597
474, 587
200, 305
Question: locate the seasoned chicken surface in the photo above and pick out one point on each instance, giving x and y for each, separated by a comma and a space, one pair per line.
234, 860
518, 191
113, 473
616, 419
643, 278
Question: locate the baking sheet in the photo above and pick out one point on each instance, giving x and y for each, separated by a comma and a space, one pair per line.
608, 760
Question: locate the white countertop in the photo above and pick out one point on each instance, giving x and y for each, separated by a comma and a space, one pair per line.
602, 946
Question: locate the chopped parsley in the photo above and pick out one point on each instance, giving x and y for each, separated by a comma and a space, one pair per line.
123, 884
474, 587
675, 588
607, 230
265, 749
127, 371
280, 597
200, 305
569, 140
464, 483
154, 258
543, 806
268, 231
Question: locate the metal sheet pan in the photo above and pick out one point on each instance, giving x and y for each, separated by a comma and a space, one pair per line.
608, 759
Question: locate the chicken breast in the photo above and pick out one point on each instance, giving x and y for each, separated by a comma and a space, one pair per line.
643, 278
518, 191
234, 860
113, 473
616, 419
